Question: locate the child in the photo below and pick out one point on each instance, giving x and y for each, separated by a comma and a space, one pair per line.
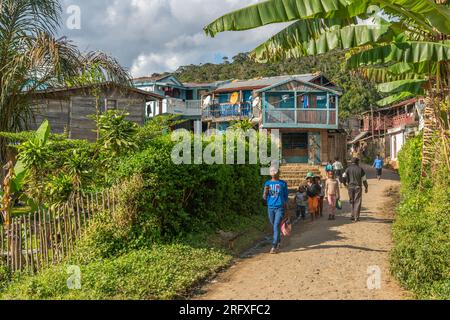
321, 185
329, 166
301, 199
313, 192
338, 170
332, 193
276, 194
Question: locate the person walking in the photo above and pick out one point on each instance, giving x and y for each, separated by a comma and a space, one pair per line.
378, 165
354, 178
276, 194
332, 193
338, 169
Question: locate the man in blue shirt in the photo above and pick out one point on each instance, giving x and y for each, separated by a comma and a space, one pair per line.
276, 194
378, 165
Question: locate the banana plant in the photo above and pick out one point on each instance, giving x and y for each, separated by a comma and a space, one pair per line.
406, 47
30, 154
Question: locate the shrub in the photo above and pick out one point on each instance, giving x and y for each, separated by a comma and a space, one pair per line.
421, 256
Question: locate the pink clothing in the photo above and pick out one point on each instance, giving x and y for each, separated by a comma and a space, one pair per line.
332, 188
332, 204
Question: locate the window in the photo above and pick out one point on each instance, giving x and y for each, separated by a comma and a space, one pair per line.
110, 104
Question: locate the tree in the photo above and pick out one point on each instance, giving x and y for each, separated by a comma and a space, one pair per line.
32, 59
408, 51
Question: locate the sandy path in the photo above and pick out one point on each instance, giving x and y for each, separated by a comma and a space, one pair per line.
323, 260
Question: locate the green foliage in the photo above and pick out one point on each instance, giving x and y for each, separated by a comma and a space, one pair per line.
117, 135
421, 256
163, 272
410, 164
161, 238
178, 199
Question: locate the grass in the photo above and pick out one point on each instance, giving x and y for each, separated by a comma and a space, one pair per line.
169, 271
164, 272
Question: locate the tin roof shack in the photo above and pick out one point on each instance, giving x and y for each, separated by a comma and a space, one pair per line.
67, 109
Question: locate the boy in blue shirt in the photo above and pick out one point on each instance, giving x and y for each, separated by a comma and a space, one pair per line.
378, 165
276, 194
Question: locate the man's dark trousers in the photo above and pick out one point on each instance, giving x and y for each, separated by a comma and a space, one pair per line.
355, 196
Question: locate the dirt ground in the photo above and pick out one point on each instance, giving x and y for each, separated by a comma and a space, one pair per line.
322, 260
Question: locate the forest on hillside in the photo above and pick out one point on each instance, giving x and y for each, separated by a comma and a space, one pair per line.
359, 94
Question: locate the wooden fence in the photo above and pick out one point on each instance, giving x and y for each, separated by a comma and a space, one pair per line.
37, 240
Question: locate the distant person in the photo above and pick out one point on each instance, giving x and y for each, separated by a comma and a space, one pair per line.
378, 165
338, 169
329, 166
313, 192
354, 178
276, 194
332, 194
301, 199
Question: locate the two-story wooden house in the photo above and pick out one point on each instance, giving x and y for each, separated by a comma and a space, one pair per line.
304, 108
183, 99
384, 131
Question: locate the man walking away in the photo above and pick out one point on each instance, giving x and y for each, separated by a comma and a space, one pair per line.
354, 178
276, 194
378, 165
338, 170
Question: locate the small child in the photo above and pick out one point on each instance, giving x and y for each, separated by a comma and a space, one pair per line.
313, 192
321, 184
332, 193
301, 199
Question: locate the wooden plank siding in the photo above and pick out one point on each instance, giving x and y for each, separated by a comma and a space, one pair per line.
69, 111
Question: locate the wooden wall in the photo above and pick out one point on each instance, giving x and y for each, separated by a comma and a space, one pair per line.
70, 112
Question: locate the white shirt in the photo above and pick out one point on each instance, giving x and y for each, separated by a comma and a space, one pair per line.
338, 166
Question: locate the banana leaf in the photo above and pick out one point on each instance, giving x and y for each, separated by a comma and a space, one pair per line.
413, 86
276, 11
407, 52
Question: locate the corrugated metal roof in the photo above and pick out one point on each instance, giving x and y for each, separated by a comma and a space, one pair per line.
259, 83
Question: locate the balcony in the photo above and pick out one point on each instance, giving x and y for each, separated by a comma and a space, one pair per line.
403, 120
224, 112
301, 118
191, 108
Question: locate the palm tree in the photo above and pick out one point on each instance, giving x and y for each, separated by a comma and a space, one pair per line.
406, 47
32, 58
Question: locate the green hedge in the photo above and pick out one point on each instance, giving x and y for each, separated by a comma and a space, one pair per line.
421, 256
158, 243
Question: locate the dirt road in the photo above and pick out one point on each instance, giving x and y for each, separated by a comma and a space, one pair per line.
322, 260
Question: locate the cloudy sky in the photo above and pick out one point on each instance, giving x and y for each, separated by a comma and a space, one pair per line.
149, 36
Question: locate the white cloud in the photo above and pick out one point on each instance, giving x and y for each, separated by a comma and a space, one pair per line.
150, 36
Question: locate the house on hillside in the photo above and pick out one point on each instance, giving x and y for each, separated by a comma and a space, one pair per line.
384, 131
305, 108
67, 109
183, 99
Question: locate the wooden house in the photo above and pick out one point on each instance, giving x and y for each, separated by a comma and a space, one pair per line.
384, 131
182, 99
68, 109
304, 108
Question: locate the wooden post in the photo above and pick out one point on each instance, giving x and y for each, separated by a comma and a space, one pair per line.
31, 244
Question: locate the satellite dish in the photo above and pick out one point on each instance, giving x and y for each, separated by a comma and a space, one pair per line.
256, 102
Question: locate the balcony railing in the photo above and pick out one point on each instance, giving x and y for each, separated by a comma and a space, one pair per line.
227, 111
403, 119
182, 107
307, 118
